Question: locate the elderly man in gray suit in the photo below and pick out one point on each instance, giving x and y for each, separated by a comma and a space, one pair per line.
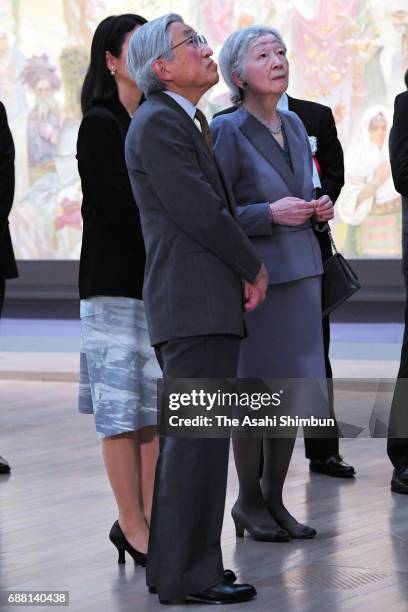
198, 259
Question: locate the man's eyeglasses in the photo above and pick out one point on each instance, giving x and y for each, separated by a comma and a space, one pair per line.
197, 39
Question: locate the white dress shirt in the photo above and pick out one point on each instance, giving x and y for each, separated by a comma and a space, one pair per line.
185, 104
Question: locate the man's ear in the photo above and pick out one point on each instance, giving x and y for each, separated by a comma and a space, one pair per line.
162, 70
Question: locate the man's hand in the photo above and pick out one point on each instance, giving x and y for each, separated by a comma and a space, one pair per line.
324, 209
255, 292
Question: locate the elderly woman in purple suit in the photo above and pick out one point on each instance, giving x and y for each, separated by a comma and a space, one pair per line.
265, 159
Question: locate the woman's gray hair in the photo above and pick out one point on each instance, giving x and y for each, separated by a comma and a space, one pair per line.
149, 42
233, 53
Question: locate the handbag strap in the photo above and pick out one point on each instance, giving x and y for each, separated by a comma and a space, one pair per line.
330, 235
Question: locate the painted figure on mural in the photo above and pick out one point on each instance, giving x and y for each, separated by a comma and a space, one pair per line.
368, 202
349, 54
12, 62
391, 21
67, 220
54, 197
81, 18
44, 120
14, 98
324, 62
218, 18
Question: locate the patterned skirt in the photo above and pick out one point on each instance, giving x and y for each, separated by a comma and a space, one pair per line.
118, 367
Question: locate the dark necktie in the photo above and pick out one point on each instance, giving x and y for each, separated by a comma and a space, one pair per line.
205, 130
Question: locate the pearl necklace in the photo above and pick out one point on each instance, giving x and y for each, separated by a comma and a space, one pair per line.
279, 128
272, 131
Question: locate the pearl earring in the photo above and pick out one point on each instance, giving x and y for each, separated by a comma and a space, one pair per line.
112, 71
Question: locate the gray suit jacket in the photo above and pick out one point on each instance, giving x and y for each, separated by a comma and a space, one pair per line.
196, 253
257, 173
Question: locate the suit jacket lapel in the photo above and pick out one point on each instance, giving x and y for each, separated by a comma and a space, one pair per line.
213, 173
210, 168
260, 138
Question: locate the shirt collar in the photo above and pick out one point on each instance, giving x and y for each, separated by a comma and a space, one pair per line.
185, 104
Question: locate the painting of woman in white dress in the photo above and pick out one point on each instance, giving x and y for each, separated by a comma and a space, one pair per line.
368, 202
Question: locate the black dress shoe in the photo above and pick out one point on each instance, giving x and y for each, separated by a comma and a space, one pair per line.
4, 466
399, 482
332, 466
221, 593
229, 578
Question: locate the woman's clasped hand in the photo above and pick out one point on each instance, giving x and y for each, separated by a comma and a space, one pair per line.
295, 211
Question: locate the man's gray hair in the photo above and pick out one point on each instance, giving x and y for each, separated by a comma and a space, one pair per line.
149, 42
233, 52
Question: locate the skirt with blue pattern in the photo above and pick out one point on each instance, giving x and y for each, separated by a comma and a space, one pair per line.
118, 367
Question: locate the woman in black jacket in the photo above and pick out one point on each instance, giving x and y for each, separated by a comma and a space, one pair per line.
118, 366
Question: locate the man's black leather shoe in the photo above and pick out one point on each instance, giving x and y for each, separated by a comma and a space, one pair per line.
229, 578
399, 482
332, 466
221, 593
4, 466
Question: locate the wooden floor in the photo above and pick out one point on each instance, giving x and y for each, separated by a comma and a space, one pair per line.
56, 509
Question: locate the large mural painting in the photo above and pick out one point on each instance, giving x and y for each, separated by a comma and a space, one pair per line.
348, 54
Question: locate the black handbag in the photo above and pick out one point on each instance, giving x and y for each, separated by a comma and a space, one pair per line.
339, 280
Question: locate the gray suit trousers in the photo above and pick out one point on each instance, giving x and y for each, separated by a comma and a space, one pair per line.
184, 554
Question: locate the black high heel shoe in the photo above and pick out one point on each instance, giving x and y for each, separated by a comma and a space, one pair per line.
118, 539
298, 531
258, 532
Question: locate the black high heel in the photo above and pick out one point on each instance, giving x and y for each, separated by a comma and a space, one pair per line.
298, 531
258, 532
118, 539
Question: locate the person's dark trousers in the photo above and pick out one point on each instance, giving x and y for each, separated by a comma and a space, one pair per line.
5, 468
397, 447
2, 294
324, 442
184, 554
